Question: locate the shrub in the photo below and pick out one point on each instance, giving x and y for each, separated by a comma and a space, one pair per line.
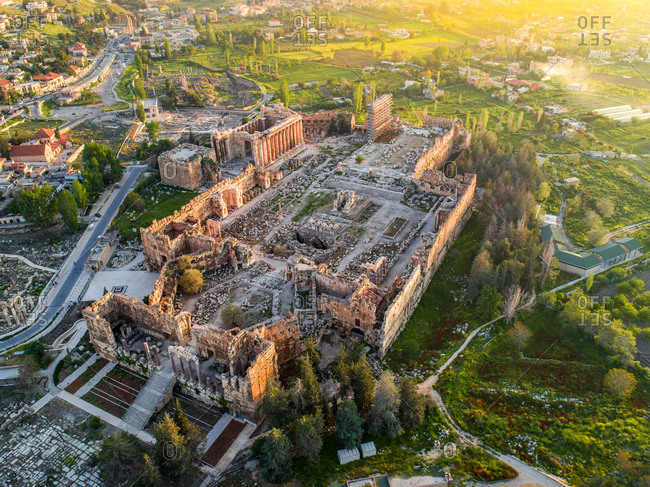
191, 281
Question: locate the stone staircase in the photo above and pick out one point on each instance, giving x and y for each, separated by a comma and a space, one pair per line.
149, 398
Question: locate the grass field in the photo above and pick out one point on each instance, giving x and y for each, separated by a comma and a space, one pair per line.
619, 180
437, 324
546, 405
158, 201
629, 137
124, 87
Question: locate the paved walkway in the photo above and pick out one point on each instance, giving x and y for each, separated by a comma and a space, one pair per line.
72, 377
28, 262
214, 433
107, 418
239, 444
149, 398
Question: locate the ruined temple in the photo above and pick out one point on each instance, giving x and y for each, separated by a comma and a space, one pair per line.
116, 324
197, 225
271, 138
419, 211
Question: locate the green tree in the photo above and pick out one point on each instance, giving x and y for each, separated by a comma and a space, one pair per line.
191, 281
80, 194
139, 111
276, 457
313, 353
153, 130
363, 383
167, 49
275, 403
589, 282
183, 262
312, 394
489, 302
171, 454
284, 93
150, 475
349, 425
308, 441
357, 98
384, 414
412, 405
38, 205
119, 458
620, 383
191, 433
138, 88
233, 315
68, 210
116, 170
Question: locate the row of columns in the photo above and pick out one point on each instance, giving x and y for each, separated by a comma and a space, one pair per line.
17, 309
147, 350
269, 148
181, 368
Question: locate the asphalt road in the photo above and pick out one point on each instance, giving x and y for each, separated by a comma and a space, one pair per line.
71, 278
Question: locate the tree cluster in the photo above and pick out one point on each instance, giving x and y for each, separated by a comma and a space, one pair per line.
302, 413
123, 459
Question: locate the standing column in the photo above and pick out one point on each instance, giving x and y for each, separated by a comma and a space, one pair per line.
274, 146
180, 363
198, 371
258, 152
124, 346
300, 137
155, 352
189, 370
285, 139
148, 352
265, 145
171, 357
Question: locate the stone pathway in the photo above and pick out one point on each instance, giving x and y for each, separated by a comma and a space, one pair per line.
149, 398
214, 433
28, 262
95, 380
239, 444
106, 417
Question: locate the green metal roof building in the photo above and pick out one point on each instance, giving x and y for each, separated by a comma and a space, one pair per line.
581, 263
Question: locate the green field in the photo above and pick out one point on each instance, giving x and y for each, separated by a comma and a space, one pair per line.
621, 181
156, 202
124, 87
546, 405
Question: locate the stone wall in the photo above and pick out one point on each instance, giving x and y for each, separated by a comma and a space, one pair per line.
183, 166
456, 139
106, 312
195, 225
426, 261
